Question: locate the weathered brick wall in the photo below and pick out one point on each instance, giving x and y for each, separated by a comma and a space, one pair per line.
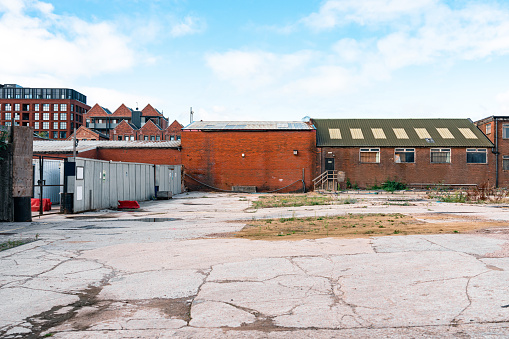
158, 156
215, 158
85, 134
149, 129
422, 171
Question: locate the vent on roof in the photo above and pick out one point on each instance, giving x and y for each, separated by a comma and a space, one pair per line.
378, 133
468, 133
400, 133
430, 140
334, 133
445, 133
356, 133
422, 133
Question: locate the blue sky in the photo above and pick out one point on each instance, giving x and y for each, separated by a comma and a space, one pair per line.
266, 60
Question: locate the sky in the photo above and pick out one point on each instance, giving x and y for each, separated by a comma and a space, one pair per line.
266, 60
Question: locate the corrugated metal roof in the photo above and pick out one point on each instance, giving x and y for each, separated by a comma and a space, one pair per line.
248, 125
65, 146
401, 133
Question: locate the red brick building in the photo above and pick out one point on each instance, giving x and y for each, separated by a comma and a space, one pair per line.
128, 124
412, 151
84, 133
496, 128
265, 155
52, 112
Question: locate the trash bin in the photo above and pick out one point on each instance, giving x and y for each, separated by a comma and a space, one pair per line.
22, 209
66, 203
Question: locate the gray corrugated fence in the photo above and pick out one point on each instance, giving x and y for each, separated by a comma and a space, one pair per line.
101, 184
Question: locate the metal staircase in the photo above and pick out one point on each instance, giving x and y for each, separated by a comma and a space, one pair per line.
327, 181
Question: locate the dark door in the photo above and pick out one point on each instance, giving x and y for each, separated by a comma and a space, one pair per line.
329, 164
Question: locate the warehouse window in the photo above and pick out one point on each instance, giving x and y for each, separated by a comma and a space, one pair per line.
488, 129
36, 116
8, 107
55, 116
55, 107
55, 125
63, 135
45, 116
370, 155
63, 125
16, 107
440, 155
476, 155
403, 155
7, 116
36, 125
119, 137
45, 125
63, 107
45, 107
36, 107
63, 116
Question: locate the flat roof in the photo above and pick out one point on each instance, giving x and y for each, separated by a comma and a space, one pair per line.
66, 146
248, 125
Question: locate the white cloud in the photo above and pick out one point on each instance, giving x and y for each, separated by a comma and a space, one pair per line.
189, 25
341, 12
112, 99
253, 69
45, 44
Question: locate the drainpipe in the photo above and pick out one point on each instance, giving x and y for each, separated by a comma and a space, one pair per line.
496, 152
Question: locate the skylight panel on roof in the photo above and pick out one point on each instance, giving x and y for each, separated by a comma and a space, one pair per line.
468, 133
422, 133
378, 133
356, 133
334, 133
400, 133
445, 133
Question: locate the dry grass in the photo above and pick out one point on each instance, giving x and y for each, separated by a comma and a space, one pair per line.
290, 200
360, 226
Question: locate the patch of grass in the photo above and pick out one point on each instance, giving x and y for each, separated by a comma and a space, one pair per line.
15, 243
291, 201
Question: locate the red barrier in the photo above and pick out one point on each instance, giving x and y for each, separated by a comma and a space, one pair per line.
128, 204
35, 205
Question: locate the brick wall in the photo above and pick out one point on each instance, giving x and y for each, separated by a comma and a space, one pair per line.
158, 156
269, 163
422, 171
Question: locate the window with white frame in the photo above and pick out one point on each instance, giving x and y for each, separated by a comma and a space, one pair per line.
63, 116
36, 107
63, 125
440, 155
55, 125
55, 107
477, 156
45, 125
45, 107
45, 116
63, 107
404, 155
17, 107
36, 125
55, 116
8, 107
8, 116
369, 155
488, 129
36, 116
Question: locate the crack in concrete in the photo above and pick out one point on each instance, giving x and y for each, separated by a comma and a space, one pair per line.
455, 320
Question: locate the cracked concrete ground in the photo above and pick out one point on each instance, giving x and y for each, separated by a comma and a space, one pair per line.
104, 275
